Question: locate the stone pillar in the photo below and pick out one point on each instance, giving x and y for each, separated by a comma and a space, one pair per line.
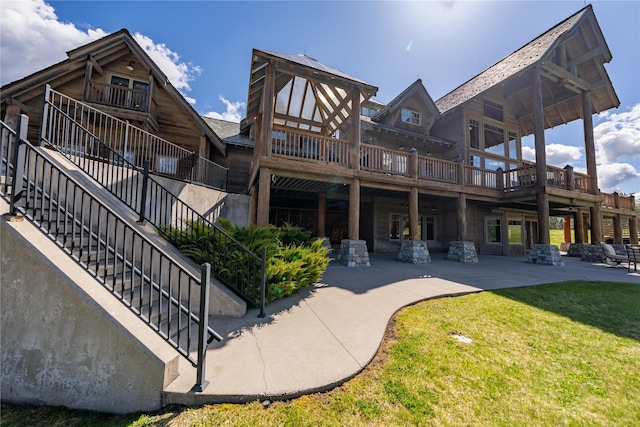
464, 252
264, 198
354, 209
415, 252
545, 254
322, 214
354, 253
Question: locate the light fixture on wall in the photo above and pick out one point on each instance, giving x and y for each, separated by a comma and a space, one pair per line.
433, 207
570, 208
130, 65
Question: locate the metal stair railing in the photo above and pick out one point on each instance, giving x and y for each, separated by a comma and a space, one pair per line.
137, 145
146, 279
235, 266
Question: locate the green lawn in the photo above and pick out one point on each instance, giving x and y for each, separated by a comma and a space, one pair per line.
559, 354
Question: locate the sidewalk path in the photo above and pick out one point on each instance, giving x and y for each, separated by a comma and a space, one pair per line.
325, 335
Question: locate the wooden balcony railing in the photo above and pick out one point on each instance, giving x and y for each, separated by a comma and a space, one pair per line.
117, 96
622, 202
437, 169
385, 160
308, 146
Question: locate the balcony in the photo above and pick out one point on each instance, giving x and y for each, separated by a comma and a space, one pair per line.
323, 149
117, 96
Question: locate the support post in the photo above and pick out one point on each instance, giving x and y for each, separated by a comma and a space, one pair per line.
567, 228
322, 214
413, 214
19, 153
263, 282
354, 209
544, 232
143, 195
253, 204
589, 145
203, 325
264, 197
596, 224
578, 227
633, 230
462, 217
354, 151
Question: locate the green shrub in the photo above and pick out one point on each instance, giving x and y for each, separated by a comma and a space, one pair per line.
293, 261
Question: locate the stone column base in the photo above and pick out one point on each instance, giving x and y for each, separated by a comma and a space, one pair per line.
462, 252
545, 254
354, 253
415, 252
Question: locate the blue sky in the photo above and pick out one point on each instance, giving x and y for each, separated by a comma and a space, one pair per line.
205, 49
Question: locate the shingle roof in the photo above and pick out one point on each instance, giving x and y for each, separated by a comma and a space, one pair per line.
229, 132
516, 62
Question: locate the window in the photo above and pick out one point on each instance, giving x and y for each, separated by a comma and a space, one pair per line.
474, 134
411, 117
493, 230
492, 110
430, 228
168, 165
494, 140
394, 163
394, 227
513, 145
426, 227
515, 231
368, 111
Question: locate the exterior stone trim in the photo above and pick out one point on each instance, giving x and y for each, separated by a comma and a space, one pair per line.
415, 252
354, 253
462, 251
545, 254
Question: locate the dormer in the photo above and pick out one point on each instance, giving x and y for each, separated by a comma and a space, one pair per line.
413, 110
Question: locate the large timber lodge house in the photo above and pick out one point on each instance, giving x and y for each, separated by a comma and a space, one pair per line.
317, 150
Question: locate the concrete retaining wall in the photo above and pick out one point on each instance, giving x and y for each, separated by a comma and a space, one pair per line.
67, 341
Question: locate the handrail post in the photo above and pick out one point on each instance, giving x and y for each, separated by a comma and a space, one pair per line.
194, 157
143, 196
203, 324
263, 282
18, 161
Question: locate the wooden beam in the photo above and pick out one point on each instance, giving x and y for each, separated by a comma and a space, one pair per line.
560, 73
95, 64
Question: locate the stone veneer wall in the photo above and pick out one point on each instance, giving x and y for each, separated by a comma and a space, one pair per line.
354, 253
415, 252
592, 253
545, 254
462, 251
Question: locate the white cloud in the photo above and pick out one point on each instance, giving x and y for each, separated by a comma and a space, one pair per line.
33, 38
561, 155
618, 136
611, 175
234, 111
557, 154
178, 73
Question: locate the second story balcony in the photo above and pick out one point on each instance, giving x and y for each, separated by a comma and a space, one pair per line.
117, 96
